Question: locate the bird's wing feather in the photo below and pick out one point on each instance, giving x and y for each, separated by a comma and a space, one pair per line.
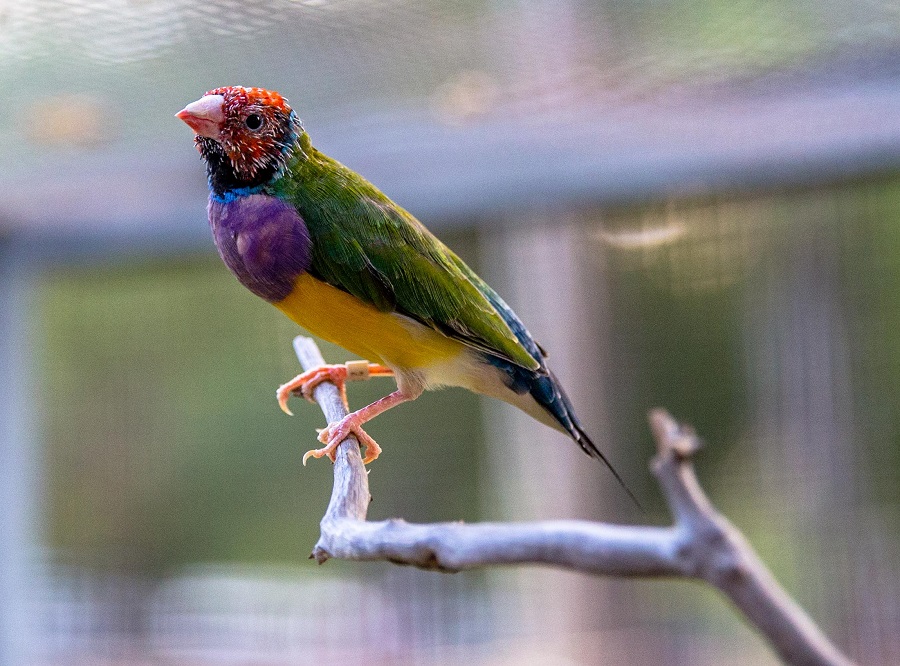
509, 316
368, 246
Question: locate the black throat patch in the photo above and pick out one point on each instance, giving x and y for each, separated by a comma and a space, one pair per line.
221, 173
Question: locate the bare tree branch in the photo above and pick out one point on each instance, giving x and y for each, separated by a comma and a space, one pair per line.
701, 544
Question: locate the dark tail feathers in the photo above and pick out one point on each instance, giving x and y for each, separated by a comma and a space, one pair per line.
591, 449
550, 395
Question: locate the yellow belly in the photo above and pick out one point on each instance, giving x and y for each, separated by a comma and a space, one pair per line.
380, 337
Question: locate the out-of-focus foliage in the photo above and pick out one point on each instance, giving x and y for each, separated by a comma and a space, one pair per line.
677, 275
868, 227
769, 322
684, 275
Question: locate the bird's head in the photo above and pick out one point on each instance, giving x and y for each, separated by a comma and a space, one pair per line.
246, 135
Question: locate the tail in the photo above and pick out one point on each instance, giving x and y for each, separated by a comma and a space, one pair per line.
549, 394
542, 385
591, 449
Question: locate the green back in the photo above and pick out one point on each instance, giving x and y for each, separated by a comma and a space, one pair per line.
364, 244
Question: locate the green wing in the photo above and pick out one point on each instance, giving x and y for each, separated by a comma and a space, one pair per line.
368, 246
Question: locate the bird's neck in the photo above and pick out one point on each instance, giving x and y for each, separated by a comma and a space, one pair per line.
225, 184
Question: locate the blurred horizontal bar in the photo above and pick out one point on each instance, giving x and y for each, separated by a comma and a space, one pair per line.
678, 143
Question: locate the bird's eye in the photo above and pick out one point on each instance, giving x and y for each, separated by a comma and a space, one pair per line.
253, 122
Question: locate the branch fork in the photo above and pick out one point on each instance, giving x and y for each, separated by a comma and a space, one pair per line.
701, 544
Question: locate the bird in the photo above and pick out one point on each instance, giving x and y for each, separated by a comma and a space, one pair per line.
338, 257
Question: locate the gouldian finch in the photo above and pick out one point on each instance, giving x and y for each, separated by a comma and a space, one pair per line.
328, 249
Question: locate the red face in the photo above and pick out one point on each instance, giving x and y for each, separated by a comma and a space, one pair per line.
254, 126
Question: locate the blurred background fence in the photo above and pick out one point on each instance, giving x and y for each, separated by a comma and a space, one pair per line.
692, 203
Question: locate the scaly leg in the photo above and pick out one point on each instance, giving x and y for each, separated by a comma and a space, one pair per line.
336, 374
337, 432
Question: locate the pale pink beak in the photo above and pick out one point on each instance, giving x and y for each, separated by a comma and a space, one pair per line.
205, 116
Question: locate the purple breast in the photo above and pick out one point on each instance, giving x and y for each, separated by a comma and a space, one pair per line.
263, 240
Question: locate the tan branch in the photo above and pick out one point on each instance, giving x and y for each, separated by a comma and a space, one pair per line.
701, 544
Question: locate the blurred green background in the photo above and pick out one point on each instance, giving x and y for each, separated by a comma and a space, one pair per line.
692, 204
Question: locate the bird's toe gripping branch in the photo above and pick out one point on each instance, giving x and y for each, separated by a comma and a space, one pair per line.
351, 424
338, 375
337, 432
307, 381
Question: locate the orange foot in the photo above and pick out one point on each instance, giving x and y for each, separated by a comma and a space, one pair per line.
307, 381
338, 431
336, 374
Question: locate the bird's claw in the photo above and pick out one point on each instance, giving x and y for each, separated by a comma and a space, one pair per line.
337, 432
307, 381
316, 453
